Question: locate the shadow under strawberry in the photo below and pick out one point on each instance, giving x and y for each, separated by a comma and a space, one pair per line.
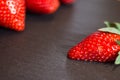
90, 70
58, 20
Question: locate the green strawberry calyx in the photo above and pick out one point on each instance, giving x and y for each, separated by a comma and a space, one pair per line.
117, 61
113, 27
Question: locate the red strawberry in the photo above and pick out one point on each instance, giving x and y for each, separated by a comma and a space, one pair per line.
67, 1
12, 14
42, 6
101, 46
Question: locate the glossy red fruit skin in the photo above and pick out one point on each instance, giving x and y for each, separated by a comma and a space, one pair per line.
12, 14
42, 6
99, 46
67, 1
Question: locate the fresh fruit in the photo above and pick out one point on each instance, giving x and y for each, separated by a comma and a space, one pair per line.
12, 14
42, 6
101, 46
67, 1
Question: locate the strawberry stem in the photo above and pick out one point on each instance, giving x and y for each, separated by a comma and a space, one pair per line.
117, 61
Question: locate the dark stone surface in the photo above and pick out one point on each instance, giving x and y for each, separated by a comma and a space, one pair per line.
39, 53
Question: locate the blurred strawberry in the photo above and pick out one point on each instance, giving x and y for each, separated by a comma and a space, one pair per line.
42, 6
67, 1
12, 14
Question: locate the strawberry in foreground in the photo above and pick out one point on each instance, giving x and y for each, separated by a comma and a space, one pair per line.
12, 14
67, 1
101, 46
43, 6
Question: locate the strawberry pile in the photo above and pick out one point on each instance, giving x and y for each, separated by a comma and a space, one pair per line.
101, 46
12, 12
46, 6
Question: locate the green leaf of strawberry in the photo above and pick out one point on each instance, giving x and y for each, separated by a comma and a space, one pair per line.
111, 27
117, 61
112, 24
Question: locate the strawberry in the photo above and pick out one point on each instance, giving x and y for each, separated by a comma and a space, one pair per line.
12, 14
67, 1
101, 46
42, 6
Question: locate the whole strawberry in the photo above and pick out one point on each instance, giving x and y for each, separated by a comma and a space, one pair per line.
42, 6
12, 14
101, 46
67, 1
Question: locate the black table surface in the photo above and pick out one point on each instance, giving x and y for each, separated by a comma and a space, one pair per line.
40, 52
